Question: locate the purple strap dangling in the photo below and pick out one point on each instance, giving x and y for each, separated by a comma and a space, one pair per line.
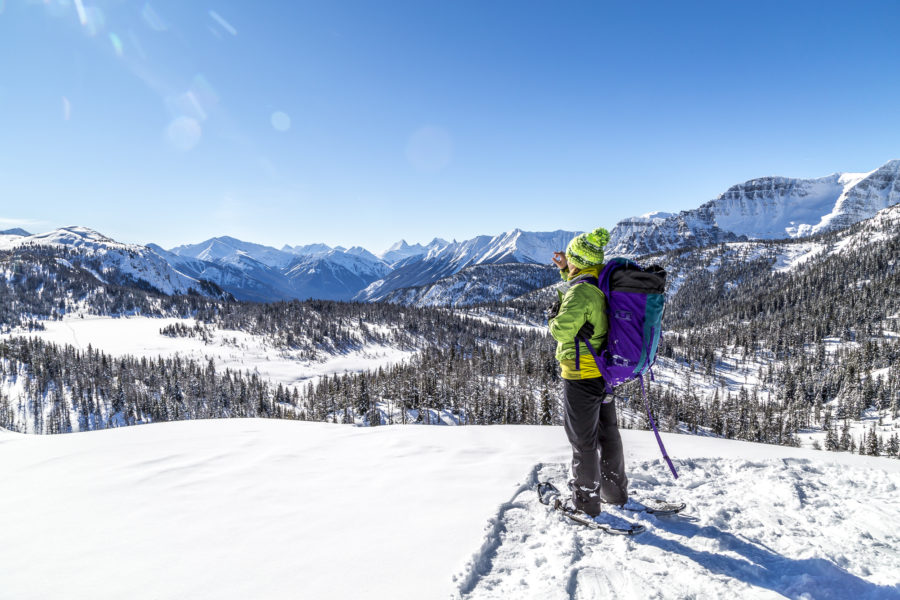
662, 448
656, 431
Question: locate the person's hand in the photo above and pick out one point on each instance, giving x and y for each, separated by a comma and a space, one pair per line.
553, 311
559, 259
586, 332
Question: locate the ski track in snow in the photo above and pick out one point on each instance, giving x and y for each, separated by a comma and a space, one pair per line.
772, 528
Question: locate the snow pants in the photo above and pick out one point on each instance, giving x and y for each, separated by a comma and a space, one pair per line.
590, 425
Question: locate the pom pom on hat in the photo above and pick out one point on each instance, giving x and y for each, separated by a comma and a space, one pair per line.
586, 250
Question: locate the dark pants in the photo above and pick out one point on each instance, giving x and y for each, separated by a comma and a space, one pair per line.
591, 425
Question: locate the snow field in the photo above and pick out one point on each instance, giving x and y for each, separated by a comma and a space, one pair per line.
235, 350
251, 508
773, 528
247, 508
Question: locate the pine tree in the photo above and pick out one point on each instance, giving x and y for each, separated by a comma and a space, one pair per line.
832, 442
846, 441
546, 410
893, 447
872, 443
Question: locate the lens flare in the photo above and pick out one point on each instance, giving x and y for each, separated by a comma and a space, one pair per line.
152, 19
280, 121
222, 22
183, 133
82, 14
95, 20
196, 103
116, 44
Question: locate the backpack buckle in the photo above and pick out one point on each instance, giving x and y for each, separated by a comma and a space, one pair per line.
621, 361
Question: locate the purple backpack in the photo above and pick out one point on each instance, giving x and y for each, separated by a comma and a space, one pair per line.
635, 299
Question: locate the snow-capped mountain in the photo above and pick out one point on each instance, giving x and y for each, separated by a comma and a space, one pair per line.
117, 260
261, 273
515, 246
401, 250
477, 284
241, 275
335, 275
765, 208
229, 250
18, 231
308, 249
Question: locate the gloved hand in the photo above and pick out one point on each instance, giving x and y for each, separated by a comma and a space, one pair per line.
586, 332
553, 310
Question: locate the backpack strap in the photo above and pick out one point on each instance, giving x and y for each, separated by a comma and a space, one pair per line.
587, 279
596, 283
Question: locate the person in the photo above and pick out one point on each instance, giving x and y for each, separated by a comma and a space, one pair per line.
590, 415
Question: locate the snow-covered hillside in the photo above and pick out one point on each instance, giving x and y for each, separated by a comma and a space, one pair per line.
277, 509
765, 208
117, 260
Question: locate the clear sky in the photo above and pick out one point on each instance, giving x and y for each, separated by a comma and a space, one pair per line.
364, 122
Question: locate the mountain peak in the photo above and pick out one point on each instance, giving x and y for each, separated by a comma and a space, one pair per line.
401, 245
17, 231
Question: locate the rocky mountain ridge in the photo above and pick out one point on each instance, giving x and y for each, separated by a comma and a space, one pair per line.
764, 208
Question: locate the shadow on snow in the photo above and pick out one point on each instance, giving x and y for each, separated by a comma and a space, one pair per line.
762, 567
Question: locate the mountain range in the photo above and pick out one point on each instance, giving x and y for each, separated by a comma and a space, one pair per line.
766, 208
461, 272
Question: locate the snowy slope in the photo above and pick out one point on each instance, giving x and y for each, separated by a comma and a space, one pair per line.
765, 208
334, 275
278, 509
137, 262
246, 279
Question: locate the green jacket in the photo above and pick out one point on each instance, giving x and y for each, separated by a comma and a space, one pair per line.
580, 303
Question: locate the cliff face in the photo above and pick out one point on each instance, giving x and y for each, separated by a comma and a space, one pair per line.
764, 208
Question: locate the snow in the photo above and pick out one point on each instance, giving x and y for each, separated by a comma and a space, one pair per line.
235, 350
445, 260
281, 509
657, 214
774, 208
136, 261
760, 528
795, 255
229, 250
765, 208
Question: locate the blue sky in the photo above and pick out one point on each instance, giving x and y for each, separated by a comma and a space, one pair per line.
360, 123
